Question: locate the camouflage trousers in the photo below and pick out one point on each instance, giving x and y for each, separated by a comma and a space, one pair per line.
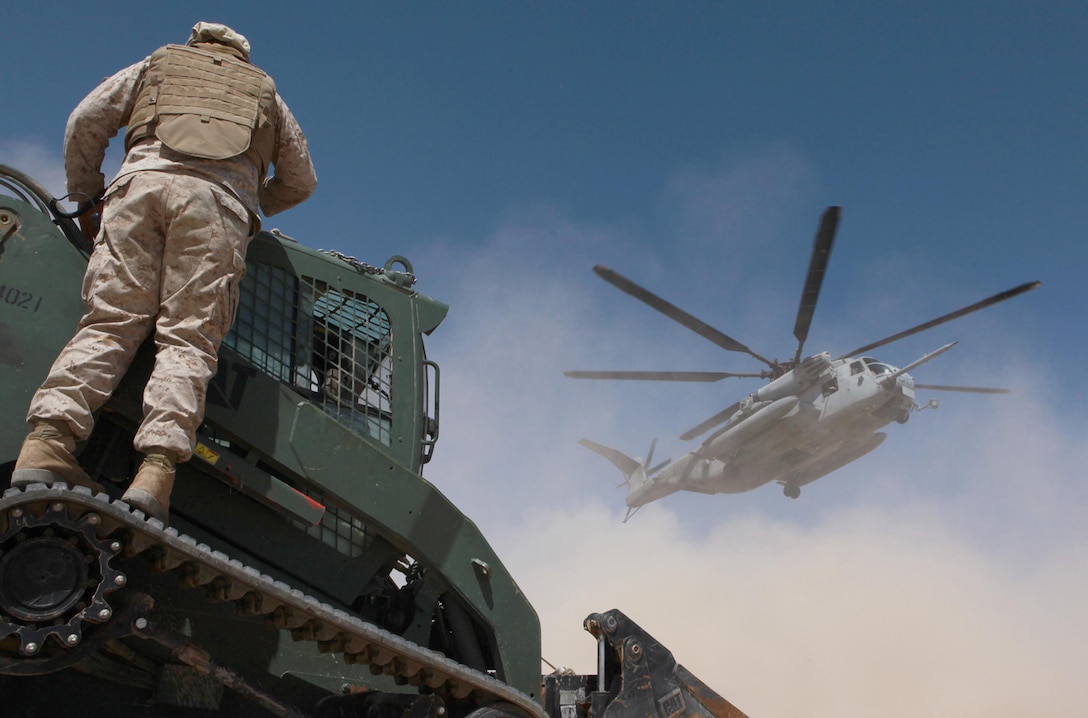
166, 262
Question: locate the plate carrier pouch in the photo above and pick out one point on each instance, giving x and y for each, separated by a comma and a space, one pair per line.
203, 102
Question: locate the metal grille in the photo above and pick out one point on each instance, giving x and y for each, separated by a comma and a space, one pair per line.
264, 328
351, 359
339, 529
330, 345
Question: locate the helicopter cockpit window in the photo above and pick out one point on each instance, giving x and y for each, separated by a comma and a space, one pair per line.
331, 346
877, 367
856, 368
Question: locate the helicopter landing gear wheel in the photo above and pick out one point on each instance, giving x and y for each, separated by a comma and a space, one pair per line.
791, 491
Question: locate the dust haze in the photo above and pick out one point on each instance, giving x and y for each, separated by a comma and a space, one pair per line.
944, 574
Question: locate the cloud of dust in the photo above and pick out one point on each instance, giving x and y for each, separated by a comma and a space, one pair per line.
873, 611
949, 581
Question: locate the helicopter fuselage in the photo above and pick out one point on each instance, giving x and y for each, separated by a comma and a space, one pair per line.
812, 420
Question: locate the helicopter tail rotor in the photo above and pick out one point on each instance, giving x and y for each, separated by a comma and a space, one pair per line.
634, 471
650, 453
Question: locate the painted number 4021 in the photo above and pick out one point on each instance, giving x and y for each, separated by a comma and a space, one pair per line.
15, 297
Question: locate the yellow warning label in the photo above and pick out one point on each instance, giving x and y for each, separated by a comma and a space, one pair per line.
207, 454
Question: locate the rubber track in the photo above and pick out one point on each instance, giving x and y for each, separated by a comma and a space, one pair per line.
259, 595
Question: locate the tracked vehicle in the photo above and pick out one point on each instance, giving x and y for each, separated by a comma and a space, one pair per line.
309, 569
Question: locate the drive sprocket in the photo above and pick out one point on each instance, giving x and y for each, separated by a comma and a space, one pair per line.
55, 575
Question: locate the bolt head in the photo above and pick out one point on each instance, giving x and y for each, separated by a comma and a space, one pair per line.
32, 648
115, 546
119, 579
15, 514
141, 623
72, 639
58, 506
93, 519
105, 613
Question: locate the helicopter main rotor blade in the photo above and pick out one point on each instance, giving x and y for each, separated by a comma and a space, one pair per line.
675, 313
719, 418
706, 376
999, 297
821, 254
969, 389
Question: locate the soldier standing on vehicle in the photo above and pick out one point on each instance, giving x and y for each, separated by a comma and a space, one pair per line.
203, 126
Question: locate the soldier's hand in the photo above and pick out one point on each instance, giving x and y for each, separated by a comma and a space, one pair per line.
91, 221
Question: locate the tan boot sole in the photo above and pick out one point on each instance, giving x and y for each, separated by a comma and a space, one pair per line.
22, 478
144, 501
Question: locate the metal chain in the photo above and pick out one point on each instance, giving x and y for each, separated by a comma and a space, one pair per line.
357, 263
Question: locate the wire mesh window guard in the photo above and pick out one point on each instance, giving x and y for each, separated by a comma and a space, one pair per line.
330, 345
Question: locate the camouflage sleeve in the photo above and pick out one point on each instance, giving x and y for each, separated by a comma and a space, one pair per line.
94, 121
293, 178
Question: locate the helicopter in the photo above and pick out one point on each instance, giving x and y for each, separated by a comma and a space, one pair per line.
815, 415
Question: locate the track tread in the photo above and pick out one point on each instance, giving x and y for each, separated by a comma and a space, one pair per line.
259, 596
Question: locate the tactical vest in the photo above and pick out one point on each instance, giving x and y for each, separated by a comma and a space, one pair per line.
205, 103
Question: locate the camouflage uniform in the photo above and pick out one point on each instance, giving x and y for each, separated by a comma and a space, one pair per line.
166, 262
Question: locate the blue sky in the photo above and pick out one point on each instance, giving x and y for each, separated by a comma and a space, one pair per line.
506, 148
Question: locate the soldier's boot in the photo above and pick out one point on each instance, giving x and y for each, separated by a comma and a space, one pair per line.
47, 457
150, 489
